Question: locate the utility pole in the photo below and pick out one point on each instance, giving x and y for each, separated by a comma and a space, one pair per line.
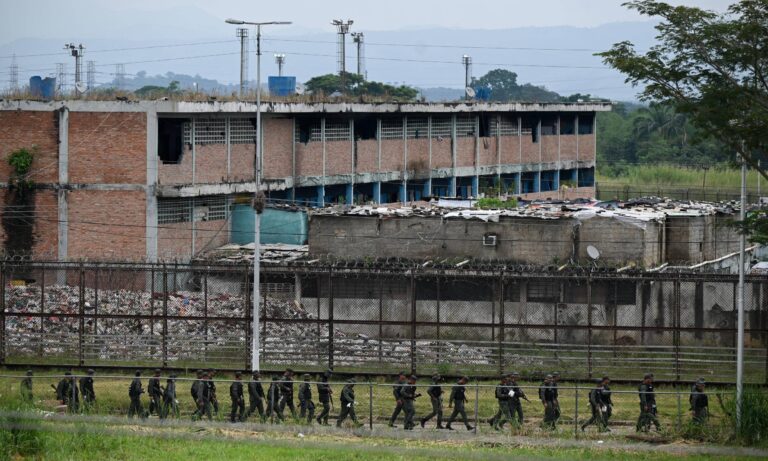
467, 61
258, 198
242, 34
280, 60
90, 75
119, 76
61, 77
77, 53
359, 39
740, 297
14, 71
343, 30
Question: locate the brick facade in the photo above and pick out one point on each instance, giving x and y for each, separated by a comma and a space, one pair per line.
278, 152
27, 129
367, 156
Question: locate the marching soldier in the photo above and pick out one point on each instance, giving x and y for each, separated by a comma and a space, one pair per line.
66, 392
457, 399
203, 394
435, 392
325, 395
647, 405
515, 407
547, 397
397, 391
503, 393
286, 393
255, 396
409, 395
607, 400
347, 401
194, 391
170, 404
555, 380
305, 399
699, 402
598, 408
238, 401
155, 392
213, 398
134, 392
86, 389
273, 399
26, 387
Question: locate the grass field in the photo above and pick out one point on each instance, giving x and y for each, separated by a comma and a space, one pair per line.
717, 183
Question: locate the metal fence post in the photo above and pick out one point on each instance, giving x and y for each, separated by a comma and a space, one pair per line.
205, 313
576, 413
81, 316
413, 322
501, 322
381, 322
370, 405
330, 318
676, 307
477, 405
589, 326
165, 317
96, 302
437, 318
2, 313
248, 317
679, 409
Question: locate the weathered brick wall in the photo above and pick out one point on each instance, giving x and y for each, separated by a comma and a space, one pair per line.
338, 157
278, 153
211, 234
549, 148
242, 160
309, 159
567, 147
441, 153
563, 194
107, 225
176, 173
488, 154
27, 129
530, 150
210, 163
367, 156
586, 147
107, 148
465, 152
174, 241
44, 221
391, 155
418, 155
510, 149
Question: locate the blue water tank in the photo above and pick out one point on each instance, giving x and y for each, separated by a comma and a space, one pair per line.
44, 88
282, 86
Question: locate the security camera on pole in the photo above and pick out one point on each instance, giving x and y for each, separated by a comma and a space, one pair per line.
258, 201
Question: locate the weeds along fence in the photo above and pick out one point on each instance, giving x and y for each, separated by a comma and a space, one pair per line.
366, 320
706, 194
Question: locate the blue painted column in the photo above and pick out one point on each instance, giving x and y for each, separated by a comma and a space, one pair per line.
537, 182
475, 186
428, 187
452, 187
350, 194
320, 196
377, 192
403, 194
518, 183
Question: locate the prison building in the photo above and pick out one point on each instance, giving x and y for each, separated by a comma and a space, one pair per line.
159, 180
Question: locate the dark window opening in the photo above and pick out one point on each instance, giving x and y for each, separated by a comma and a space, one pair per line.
567, 124
365, 128
622, 293
543, 291
530, 125
586, 123
485, 125
548, 125
170, 139
308, 129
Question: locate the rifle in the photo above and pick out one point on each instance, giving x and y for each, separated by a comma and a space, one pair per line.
330, 395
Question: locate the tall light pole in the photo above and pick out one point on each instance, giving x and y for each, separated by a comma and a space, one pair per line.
359, 39
466, 60
342, 28
280, 61
242, 34
255, 340
740, 296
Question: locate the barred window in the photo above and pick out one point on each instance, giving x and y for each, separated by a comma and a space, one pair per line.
417, 127
465, 126
337, 130
308, 129
545, 291
507, 126
187, 209
392, 128
207, 131
242, 131
441, 127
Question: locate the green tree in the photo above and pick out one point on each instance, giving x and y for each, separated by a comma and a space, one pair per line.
504, 87
354, 85
712, 67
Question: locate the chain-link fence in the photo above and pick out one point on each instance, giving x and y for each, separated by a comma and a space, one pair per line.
680, 326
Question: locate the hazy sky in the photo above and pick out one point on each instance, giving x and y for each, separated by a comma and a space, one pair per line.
408, 41
161, 18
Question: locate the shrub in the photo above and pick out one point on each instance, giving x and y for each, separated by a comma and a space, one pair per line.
489, 203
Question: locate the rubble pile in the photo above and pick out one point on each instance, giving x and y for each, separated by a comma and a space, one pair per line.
126, 339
